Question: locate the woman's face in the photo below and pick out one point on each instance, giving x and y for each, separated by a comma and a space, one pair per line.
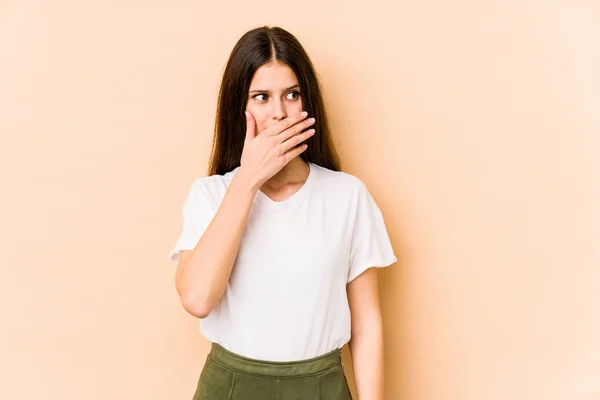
274, 94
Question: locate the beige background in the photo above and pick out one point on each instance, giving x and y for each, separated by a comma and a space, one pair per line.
475, 125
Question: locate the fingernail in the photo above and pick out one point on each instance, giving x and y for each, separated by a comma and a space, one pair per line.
304, 113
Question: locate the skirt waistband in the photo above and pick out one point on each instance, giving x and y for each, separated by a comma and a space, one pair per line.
281, 369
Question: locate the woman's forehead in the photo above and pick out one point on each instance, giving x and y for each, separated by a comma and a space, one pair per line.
273, 76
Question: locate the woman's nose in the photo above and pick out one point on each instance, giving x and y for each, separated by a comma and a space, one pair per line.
279, 112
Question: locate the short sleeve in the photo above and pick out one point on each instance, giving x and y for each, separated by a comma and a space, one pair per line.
197, 215
370, 246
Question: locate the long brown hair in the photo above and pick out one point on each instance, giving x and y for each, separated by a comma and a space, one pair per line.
254, 49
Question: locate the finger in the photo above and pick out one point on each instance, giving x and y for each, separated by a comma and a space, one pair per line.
297, 139
250, 126
292, 131
284, 124
295, 152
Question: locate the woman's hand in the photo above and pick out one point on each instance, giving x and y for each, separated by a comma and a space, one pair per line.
268, 152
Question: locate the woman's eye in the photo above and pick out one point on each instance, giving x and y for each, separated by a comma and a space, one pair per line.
258, 95
261, 99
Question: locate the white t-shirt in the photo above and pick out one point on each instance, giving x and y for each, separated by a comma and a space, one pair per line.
286, 297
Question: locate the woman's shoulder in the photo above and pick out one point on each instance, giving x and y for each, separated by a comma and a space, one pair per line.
346, 188
213, 186
339, 180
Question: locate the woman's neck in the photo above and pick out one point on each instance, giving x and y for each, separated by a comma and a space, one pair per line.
294, 173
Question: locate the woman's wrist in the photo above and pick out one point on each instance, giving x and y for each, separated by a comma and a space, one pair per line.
244, 181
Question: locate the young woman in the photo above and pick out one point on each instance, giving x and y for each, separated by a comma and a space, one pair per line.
278, 244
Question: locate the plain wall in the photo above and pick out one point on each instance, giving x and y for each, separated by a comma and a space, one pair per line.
474, 124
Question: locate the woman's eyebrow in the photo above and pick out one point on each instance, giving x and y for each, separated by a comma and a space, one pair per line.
266, 91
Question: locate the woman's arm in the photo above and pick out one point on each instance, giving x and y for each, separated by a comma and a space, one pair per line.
202, 273
366, 344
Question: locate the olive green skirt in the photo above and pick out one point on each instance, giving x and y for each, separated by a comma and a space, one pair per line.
229, 376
